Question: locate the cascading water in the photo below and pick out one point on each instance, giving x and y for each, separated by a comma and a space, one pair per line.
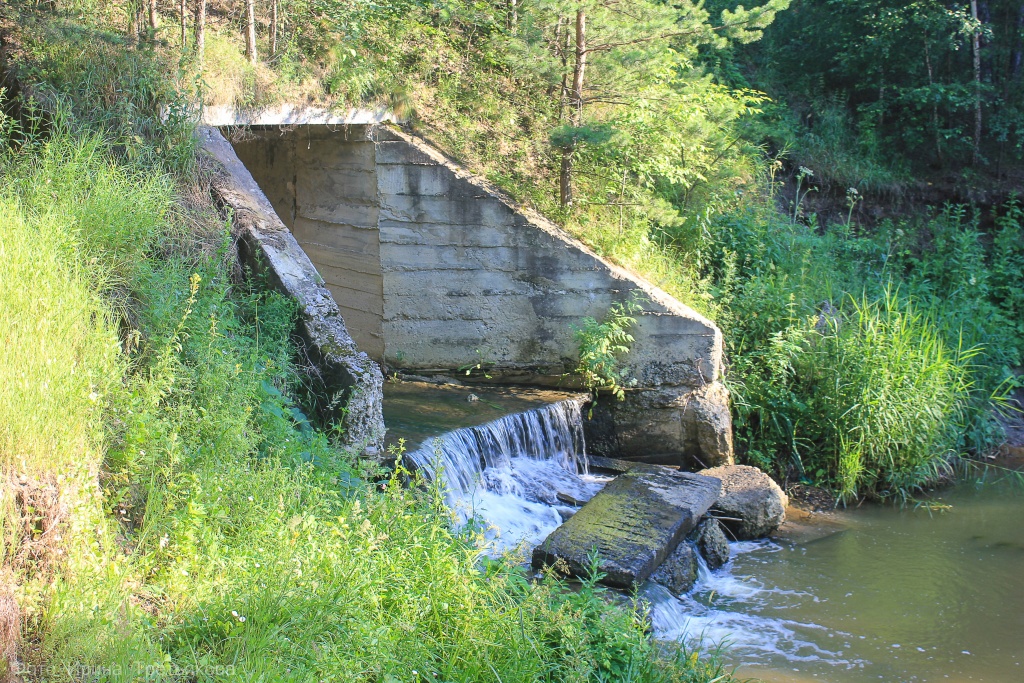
874, 594
704, 615
513, 475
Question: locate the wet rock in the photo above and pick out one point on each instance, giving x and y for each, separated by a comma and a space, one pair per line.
601, 464
565, 512
570, 499
675, 425
634, 523
678, 572
711, 542
751, 505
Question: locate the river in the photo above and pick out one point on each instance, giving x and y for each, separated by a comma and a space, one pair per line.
925, 593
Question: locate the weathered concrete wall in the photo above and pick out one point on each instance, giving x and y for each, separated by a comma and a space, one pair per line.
434, 269
466, 269
323, 184
266, 244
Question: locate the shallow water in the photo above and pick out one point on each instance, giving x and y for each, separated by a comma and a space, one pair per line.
879, 593
417, 411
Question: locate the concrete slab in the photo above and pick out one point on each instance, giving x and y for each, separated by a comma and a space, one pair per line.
634, 524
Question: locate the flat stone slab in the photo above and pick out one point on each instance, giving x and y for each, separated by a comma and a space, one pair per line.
633, 523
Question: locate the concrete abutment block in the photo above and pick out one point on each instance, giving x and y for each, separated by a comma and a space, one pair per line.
436, 269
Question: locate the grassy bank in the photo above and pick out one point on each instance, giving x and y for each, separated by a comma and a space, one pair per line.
167, 512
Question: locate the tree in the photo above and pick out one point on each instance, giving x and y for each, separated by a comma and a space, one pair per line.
200, 29
630, 37
575, 100
912, 75
976, 50
250, 31
273, 28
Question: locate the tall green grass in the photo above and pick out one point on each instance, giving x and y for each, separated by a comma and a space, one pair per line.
867, 362
887, 399
60, 354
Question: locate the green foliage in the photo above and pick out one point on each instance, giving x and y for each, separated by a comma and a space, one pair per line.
1007, 286
838, 379
900, 75
601, 345
60, 352
136, 98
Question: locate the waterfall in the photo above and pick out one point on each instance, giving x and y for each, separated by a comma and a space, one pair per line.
513, 475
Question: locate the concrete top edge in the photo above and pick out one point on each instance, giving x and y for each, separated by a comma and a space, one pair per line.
290, 114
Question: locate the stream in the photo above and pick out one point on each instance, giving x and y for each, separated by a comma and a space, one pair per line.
877, 593
927, 593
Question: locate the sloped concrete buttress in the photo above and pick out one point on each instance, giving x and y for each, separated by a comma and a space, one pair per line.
435, 269
265, 244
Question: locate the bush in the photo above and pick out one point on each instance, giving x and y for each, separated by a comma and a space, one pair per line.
886, 399
839, 380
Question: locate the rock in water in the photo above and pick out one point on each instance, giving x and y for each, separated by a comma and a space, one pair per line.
678, 572
633, 523
752, 505
712, 543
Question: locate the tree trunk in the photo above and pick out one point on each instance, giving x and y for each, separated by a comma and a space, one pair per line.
565, 179
154, 17
200, 32
184, 36
576, 102
562, 45
134, 20
1018, 54
250, 31
935, 104
976, 45
513, 15
273, 28
985, 15
580, 67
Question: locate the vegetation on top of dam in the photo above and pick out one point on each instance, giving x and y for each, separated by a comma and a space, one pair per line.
169, 511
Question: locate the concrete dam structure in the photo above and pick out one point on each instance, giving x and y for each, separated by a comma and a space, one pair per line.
433, 269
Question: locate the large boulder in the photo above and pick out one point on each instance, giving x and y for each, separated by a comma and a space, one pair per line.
751, 505
678, 572
712, 543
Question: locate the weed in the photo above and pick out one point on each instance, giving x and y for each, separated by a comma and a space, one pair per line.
601, 344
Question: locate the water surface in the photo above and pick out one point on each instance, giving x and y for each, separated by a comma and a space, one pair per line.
417, 411
879, 594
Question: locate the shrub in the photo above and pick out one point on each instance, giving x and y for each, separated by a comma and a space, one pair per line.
886, 399
837, 379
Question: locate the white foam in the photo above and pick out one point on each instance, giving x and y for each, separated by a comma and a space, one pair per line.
685, 619
517, 505
505, 476
723, 609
